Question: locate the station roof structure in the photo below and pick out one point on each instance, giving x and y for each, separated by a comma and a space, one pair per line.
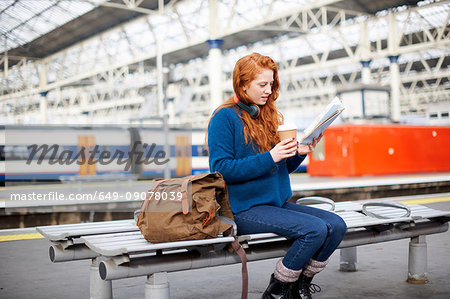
98, 57
37, 29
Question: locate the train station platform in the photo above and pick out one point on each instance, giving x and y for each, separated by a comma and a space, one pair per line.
57, 194
45, 204
26, 271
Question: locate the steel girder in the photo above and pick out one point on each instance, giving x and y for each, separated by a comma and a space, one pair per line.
93, 76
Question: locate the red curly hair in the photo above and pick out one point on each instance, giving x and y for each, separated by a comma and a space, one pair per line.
262, 129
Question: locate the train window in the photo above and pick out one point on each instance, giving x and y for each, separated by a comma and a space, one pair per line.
444, 114
2, 153
60, 151
46, 152
15, 152
105, 152
433, 115
24, 152
202, 151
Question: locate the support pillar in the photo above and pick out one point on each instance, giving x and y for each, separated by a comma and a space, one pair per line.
171, 111
99, 288
43, 107
395, 88
215, 73
215, 57
393, 50
44, 91
417, 261
364, 45
159, 65
159, 75
5, 60
348, 259
365, 72
157, 286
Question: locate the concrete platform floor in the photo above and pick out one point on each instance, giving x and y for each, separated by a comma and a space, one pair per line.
26, 272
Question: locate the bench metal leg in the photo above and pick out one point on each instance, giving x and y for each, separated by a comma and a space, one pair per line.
99, 288
417, 260
157, 286
348, 259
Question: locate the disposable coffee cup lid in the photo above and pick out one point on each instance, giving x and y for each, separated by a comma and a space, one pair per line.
287, 127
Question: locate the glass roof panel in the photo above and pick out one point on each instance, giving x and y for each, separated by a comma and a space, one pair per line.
23, 21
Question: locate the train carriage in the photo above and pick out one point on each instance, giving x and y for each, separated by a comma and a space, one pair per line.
49, 152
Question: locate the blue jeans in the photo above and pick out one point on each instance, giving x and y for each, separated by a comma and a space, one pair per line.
316, 232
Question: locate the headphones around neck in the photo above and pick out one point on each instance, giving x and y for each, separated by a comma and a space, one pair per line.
252, 109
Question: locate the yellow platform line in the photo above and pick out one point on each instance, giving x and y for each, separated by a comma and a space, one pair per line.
21, 237
422, 201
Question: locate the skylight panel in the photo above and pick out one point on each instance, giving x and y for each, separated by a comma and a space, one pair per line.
23, 21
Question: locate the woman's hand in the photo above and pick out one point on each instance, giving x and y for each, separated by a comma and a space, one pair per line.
308, 148
285, 149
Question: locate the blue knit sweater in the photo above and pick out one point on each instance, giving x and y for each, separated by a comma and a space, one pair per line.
253, 178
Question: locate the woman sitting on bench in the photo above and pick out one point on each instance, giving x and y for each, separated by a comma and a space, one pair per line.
245, 148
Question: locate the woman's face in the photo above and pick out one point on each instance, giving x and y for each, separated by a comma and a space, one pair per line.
259, 89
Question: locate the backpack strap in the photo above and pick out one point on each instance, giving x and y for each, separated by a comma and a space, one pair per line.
222, 197
230, 222
147, 197
184, 195
241, 252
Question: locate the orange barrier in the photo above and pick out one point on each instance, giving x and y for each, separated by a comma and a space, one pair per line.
353, 150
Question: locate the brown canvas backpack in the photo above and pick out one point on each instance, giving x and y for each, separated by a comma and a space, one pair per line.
188, 209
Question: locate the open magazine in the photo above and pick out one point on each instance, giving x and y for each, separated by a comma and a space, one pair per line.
322, 121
